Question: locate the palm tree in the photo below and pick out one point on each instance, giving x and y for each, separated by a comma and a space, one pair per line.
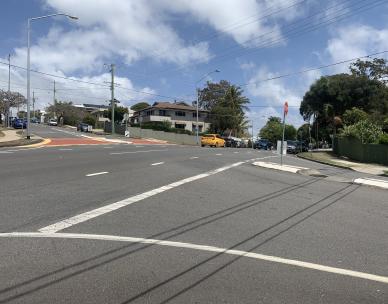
237, 103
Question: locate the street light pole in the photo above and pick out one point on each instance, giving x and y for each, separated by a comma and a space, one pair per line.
112, 87
28, 62
197, 103
28, 77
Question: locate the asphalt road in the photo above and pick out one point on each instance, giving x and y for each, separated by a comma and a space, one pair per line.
178, 224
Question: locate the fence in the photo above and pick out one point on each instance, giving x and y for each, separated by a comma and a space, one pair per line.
183, 139
366, 153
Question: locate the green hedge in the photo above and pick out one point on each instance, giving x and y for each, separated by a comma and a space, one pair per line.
161, 126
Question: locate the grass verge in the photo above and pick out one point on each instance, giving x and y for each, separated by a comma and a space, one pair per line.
323, 157
20, 142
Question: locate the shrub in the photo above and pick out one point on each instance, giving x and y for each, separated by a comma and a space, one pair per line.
383, 140
354, 115
366, 131
89, 119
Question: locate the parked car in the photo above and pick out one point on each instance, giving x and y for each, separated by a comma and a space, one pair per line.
19, 123
82, 127
262, 144
52, 122
212, 140
35, 120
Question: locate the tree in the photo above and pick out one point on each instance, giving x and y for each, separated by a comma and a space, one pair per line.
354, 115
67, 112
212, 94
140, 106
226, 105
273, 130
119, 113
377, 69
331, 96
303, 132
9, 100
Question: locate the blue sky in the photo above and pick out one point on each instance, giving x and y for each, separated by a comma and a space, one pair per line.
163, 47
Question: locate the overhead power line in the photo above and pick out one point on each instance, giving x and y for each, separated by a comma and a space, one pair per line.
290, 31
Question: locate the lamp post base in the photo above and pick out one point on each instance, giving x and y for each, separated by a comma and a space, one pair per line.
28, 137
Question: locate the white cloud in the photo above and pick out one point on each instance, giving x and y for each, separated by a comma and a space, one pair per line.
74, 91
272, 92
354, 41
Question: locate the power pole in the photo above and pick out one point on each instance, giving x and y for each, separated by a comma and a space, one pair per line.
9, 93
112, 88
55, 101
253, 145
33, 103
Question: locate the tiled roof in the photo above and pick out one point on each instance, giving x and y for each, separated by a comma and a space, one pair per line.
172, 106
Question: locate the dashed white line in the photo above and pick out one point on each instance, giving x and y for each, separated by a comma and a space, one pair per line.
97, 173
6, 152
65, 149
139, 146
241, 253
157, 164
133, 152
194, 157
108, 147
235, 152
218, 154
83, 217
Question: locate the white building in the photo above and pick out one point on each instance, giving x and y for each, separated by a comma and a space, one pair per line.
179, 114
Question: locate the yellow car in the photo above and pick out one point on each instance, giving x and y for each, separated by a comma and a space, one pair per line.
213, 140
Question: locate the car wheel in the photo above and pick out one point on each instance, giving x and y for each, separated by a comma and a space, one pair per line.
216, 145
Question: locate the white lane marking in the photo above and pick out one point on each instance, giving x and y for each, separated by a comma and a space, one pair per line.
218, 154
143, 146
241, 253
372, 182
97, 173
65, 149
235, 152
275, 166
83, 217
107, 147
156, 164
132, 152
194, 157
6, 152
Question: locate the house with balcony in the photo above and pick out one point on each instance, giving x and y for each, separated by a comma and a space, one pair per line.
179, 114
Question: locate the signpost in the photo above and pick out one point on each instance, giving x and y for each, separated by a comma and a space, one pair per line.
285, 112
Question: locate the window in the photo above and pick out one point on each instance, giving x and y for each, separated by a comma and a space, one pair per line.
179, 126
195, 115
180, 113
149, 113
162, 113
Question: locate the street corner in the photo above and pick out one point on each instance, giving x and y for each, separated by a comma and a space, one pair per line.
44, 142
56, 142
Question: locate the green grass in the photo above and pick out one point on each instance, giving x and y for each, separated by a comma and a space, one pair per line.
385, 173
323, 157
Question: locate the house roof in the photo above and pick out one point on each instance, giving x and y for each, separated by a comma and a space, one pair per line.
172, 106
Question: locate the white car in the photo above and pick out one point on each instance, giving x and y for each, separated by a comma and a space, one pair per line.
52, 122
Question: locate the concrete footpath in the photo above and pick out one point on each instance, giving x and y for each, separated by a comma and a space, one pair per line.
9, 135
375, 180
328, 158
11, 138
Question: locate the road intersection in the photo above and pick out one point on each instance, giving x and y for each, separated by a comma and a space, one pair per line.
104, 224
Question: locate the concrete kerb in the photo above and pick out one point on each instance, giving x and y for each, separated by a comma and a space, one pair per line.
378, 183
371, 182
